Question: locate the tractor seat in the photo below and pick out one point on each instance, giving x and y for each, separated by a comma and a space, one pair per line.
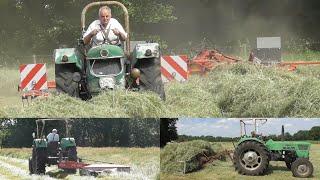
53, 148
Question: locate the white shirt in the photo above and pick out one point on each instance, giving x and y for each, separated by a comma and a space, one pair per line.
99, 37
53, 137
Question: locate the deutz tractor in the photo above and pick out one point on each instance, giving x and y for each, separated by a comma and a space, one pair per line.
252, 153
84, 71
51, 153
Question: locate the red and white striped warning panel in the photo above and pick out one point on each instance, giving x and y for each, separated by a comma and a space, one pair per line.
33, 77
174, 68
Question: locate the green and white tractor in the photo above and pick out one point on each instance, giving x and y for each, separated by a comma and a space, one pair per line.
253, 154
84, 71
46, 153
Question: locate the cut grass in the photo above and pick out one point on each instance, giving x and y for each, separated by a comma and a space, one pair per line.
240, 90
186, 156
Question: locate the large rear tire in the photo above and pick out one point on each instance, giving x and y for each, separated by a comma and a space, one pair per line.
67, 79
40, 161
302, 168
251, 158
72, 156
150, 76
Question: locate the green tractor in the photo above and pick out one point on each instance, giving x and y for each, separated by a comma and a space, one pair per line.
252, 154
84, 71
51, 153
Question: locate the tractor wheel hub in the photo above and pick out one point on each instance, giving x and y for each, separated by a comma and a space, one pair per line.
302, 169
251, 160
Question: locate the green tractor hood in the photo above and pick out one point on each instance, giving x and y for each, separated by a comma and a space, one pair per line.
105, 51
67, 142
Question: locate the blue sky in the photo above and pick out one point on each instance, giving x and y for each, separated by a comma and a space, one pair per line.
230, 127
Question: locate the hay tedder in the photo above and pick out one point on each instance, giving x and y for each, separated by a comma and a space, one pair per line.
63, 153
85, 71
252, 154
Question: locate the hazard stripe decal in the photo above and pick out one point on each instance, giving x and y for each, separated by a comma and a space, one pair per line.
33, 77
176, 66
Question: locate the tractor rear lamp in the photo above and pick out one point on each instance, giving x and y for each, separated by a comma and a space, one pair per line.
64, 58
148, 52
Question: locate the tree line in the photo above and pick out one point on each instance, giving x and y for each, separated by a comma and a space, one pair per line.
87, 132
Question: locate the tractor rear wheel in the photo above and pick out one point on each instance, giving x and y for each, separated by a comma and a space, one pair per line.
302, 168
40, 161
67, 79
251, 158
150, 76
72, 156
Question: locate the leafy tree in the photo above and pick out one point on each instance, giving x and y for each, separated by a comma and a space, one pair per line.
168, 130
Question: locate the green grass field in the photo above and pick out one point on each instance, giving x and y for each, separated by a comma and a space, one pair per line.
144, 162
225, 170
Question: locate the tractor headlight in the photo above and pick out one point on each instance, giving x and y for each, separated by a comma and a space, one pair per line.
64, 58
148, 52
135, 73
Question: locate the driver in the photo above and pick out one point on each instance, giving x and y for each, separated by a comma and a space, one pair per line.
105, 30
53, 136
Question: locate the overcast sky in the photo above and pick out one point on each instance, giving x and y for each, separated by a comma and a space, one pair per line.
230, 127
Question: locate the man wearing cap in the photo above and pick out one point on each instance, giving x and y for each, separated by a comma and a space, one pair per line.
105, 30
53, 136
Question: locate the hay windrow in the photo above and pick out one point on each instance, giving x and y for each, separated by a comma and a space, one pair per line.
238, 90
108, 104
174, 155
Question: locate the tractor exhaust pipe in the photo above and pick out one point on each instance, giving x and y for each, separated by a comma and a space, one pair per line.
282, 133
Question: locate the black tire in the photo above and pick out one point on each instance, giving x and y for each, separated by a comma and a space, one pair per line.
150, 76
67, 79
72, 156
251, 158
40, 161
302, 168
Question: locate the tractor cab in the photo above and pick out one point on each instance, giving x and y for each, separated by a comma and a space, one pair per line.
249, 128
85, 71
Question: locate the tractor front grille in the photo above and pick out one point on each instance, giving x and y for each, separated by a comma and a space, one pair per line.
103, 67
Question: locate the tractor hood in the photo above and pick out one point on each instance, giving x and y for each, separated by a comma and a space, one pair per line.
105, 51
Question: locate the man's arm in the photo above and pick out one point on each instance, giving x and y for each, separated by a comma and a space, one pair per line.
121, 36
88, 38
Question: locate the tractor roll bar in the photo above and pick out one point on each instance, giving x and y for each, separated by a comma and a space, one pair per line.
126, 18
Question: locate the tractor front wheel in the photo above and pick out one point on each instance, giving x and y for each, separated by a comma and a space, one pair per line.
67, 79
251, 158
150, 76
302, 168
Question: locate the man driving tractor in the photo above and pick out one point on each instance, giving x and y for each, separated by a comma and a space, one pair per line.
105, 30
